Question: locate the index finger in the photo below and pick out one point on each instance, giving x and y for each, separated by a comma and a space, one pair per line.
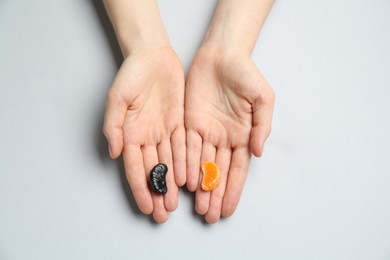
236, 180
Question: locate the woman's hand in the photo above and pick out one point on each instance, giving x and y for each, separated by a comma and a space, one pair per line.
228, 114
144, 120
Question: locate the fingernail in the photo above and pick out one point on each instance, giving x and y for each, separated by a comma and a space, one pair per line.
109, 150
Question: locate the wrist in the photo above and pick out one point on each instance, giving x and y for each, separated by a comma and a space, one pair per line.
215, 57
236, 24
142, 39
222, 52
226, 48
137, 24
229, 38
224, 34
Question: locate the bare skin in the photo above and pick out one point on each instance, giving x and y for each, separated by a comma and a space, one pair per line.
223, 115
152, 98
228, 115
144, 116
228, 105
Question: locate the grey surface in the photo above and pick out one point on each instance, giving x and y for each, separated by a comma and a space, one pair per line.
321, 191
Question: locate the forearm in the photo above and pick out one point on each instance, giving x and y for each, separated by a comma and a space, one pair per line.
236, 24
137, 24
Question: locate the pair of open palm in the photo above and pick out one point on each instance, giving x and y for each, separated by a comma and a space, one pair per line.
222, 113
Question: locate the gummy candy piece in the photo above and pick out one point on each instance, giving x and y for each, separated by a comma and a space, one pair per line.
211, 176
157, 178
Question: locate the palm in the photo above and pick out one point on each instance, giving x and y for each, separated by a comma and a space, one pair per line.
217, 109
145, 112
220, 97
155, 99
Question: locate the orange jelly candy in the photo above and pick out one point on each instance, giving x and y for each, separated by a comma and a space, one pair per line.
211, 176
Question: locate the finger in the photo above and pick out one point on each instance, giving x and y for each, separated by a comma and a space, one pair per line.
222, 159
236, 180
135, 174
160, 214
202, 198
262, 120
194, 150
114, 117
165, 156
149, 153
178, 142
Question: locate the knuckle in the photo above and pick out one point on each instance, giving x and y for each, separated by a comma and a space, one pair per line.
113, 96
269, 130
106, 130
194, 146
268, 95
219, 197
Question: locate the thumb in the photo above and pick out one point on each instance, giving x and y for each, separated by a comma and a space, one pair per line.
262, 109
114, 117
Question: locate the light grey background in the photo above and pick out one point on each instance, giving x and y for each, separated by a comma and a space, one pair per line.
321, 191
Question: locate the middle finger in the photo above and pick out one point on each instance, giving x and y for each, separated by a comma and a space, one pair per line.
150, 157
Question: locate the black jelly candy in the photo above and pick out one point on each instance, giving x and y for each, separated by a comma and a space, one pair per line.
157, 178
